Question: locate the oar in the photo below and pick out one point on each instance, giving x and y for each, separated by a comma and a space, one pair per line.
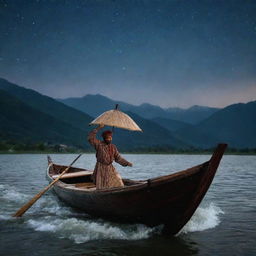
25, 207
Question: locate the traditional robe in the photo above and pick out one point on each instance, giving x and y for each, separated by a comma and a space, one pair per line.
105, 174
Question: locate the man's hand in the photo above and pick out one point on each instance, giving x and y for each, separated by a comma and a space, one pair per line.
130, 164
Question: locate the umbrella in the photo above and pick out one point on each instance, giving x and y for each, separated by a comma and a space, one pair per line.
116, 118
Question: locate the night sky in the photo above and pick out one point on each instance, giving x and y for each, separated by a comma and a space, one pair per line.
167, 53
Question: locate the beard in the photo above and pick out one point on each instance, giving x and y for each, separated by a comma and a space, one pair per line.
107, 142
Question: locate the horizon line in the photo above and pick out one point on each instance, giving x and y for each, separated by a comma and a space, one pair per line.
125, 102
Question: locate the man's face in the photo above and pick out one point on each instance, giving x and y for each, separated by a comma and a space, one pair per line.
108, 139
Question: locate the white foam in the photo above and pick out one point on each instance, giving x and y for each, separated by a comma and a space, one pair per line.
84, 230
203, 219
81, 231
5, 217
14, 196
12, 200
50, 205
11, 194
42, 225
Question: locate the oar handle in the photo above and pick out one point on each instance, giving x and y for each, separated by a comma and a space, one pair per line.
25, 207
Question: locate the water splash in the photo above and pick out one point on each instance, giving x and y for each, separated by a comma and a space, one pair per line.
81, 231
10, 194
5, 217
11, 200
66, 223
203, 219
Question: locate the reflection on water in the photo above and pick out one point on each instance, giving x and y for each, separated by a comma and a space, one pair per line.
154, 246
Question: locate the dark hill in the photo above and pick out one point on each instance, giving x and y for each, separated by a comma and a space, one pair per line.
21, 123
47, 105
235, 125
192, 115
32, 117
153, 135
94, 105
171, 125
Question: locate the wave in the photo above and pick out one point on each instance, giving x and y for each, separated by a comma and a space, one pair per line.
11, 200
203, 219
10, 194
81, 231
49, 215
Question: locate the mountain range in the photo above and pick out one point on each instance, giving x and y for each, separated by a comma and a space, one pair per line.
94, 105
198, 126
235, 125
29, 117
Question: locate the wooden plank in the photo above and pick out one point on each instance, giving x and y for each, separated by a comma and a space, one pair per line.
85, 185
73, 174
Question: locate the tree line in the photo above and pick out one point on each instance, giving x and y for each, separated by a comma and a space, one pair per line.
43, 147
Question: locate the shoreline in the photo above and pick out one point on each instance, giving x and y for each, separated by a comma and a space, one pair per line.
252, 153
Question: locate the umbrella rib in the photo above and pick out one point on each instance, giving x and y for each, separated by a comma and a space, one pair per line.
118, 119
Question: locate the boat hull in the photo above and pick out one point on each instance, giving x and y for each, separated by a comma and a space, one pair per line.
170, 200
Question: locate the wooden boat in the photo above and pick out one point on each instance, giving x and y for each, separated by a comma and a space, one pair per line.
170, 200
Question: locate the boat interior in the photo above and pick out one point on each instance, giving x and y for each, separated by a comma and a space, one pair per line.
81, 178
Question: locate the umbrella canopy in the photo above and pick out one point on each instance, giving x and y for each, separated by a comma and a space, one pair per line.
116, 118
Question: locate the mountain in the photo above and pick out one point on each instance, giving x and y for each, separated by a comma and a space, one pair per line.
192, 115
30, 117
94, 105
27, 116
235, 125
21, 123
149, 111
171, 125
153, 135
47, 105
197, 137
44, 119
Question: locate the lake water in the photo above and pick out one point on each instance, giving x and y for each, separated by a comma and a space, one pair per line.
224, 223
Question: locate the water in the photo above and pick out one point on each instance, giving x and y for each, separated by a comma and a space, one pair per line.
224, 223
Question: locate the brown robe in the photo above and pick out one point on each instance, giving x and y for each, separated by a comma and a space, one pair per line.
105, 174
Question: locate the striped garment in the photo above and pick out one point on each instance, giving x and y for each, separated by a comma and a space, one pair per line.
105, 174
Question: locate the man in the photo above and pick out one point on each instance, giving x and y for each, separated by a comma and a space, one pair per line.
105, 174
